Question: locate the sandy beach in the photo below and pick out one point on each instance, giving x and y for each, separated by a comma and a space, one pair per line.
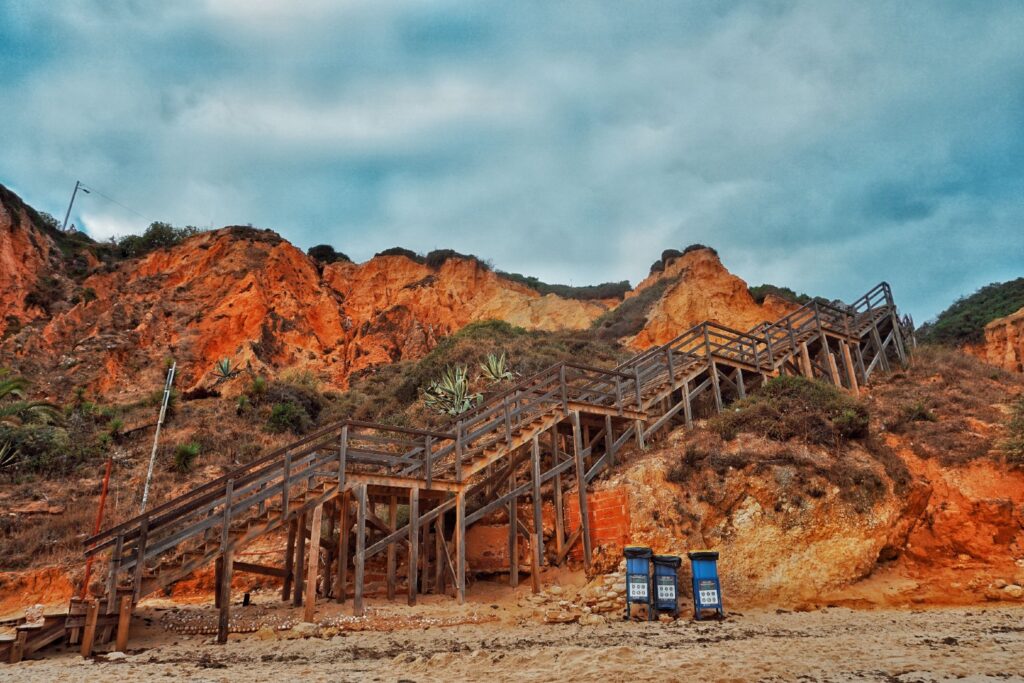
504, 641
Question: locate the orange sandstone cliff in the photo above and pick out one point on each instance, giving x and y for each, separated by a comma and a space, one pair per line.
1004, 343
698, 288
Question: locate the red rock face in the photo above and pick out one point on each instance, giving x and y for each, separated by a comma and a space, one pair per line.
250, 296
26, 254
1004, 343
703, 290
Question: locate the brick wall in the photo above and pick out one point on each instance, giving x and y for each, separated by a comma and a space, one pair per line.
608, 513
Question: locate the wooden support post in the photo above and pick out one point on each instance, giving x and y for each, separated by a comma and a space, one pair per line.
300, 559
860, 364
851, 373
313, 564
879, 348
140, 558
513, 532
124, 622
538, 524
115, 566
289, 560
425, 559
897, 336
805, 361
18, 647
638, 430
559, 515
687, 406
392, 547
460, 546
609, 441
330, 518
833, 369
345, 526
358, 609
740, 388
218, 576
440, 560
224, 588
713, 368
535, 562
414, 538
581, 484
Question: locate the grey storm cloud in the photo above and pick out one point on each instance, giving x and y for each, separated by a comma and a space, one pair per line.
820, 145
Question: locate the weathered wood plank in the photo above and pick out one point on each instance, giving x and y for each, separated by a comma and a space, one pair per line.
313, 563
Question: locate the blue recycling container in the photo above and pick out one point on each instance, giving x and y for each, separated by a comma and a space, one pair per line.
707, 589
638, 579
666, 583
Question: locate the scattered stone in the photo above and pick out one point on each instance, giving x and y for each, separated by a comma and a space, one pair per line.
1013, 591
665, 618
266, 633
592, 620
115, 656
999, 583
555, 590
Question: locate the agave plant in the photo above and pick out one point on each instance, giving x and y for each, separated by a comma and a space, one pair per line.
450, 394
14, 409
495, 368
8, 455
224, 370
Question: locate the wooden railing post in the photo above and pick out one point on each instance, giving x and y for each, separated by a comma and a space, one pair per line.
639, 396
618, 394
565, 390
227, 565
508, 423
342, 458
285, 482
428, 460
458, 451
671, 368
140, 558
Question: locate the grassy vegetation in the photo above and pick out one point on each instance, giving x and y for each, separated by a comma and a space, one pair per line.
670, 255
1014, 443
157, 236
932, 404
964, 322
605, 290
393, 393
628, 318
325, 253
762, 291
796, 408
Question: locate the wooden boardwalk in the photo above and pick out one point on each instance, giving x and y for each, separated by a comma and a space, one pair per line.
548, 436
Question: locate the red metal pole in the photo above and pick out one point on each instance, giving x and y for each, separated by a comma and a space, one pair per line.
99, 523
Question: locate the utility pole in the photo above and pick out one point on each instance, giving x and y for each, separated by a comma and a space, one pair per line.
156, 437
67, 214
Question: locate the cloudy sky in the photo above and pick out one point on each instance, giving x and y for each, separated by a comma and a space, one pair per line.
819, 145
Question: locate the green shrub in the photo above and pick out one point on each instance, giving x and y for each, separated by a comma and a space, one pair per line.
185, 455
46, 292
796, 408
325, 253
605, 290
401, 251
40, 449
288, 417
157, 236
964, 322
436, 258
761, 292
628, 318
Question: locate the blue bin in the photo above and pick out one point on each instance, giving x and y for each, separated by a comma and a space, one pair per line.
707, 589
666, 583
638, 579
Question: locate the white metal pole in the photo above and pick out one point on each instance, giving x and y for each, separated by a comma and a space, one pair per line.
156, 437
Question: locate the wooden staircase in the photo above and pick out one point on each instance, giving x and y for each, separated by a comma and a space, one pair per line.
552, 431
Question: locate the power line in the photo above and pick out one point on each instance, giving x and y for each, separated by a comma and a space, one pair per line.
111, 199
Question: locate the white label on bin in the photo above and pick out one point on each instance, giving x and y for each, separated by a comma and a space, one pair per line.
638, 588
667, 592
709, 597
